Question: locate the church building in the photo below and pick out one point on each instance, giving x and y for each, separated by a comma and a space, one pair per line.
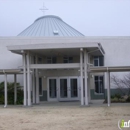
55, 62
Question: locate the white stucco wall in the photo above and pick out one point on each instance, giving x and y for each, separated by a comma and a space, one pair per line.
117, 51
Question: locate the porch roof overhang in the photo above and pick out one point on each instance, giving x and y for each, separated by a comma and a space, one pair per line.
109, 69
50, 45
10, 71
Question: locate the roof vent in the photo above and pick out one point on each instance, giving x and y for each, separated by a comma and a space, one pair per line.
55, 32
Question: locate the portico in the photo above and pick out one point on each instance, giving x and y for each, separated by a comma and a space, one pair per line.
63, 73
59, 63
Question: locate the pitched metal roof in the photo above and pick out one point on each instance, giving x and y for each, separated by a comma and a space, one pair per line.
50, 25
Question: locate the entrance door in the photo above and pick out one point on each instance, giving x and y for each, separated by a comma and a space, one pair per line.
52, 89
69, 89
74, 88
63, 89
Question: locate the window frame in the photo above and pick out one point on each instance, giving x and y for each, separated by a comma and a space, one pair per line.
51, 59
67, 58
103, 89
98, 59
41, 60
39, 85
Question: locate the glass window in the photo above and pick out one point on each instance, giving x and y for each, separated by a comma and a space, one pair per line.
39, 60
98, 60
99, 84
101, 61
40, 86
48, 59
52, 88
51, 60
34, 60
70, 59
67, 59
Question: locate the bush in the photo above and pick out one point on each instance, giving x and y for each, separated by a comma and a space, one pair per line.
1, 98
112, 97
19, 97
128, 99
11, 97
118, 96
10, 87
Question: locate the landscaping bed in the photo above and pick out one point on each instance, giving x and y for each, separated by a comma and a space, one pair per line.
117, 98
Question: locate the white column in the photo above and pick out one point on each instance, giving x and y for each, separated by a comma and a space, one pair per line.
33, 87
37, 83
24, 80
5, 91
86, 76
89, 88
28, 79
15, 88
89, 83
108, 89
81, 76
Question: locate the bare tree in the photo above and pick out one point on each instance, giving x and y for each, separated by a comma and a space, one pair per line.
122, 83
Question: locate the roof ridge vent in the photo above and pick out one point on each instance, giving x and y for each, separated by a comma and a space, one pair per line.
56, 32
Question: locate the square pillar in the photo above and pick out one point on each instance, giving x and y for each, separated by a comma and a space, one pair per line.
86, 76
81, 76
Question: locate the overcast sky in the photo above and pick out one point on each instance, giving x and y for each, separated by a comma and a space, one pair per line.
90, 17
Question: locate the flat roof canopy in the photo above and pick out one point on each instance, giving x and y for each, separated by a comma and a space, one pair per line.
109, 69
90, 69
55, 46
10, 71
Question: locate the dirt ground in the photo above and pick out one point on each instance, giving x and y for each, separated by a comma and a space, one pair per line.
63, 117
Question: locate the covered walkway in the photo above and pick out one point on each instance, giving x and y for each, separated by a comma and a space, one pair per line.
6, 72
14, 72
108, 70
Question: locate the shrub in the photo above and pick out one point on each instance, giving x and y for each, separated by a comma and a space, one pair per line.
10, 87
128, 99
112, 97
118, 96
1, 98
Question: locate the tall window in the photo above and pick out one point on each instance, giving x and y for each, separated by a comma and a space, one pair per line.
98, 61
51, 60
39, 60
99, 84
52, 88
40, 86
67, 59
34, 60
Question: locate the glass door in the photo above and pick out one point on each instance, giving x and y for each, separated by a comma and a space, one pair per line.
52, 89
74, 88
63, 89
63, 86
69, 89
